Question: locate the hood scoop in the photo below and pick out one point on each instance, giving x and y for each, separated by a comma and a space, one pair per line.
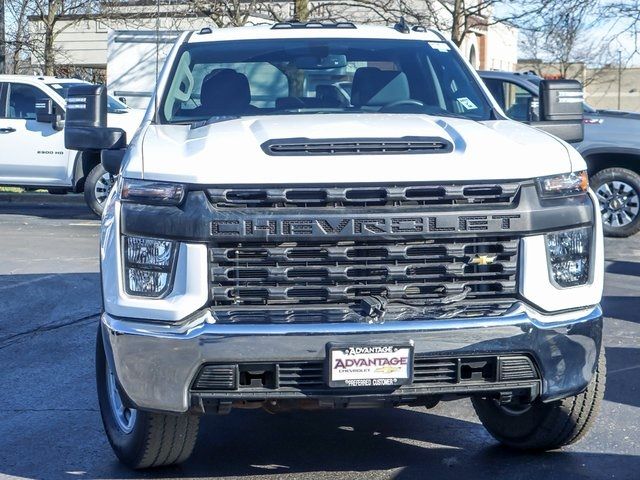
357, 146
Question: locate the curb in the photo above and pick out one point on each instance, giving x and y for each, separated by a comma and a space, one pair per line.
41, 199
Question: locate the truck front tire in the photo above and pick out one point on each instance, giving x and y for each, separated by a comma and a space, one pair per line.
618, 192
97, 187
544, 426
141, 439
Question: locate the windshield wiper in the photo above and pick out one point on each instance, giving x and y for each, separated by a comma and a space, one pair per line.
214, 119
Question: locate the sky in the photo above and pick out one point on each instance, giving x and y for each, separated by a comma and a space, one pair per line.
616, 31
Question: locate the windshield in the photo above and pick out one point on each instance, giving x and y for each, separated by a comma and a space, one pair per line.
62, 89
321, 75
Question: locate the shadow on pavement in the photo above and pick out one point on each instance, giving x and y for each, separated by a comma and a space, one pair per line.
622, 307
623, 268
623, 376
402, 443
43, 209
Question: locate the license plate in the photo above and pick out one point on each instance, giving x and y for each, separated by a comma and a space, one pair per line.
367, 366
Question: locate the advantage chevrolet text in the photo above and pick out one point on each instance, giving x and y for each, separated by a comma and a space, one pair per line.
334, 216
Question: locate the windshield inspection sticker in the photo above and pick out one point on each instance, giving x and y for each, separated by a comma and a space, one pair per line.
440, 46
466, 103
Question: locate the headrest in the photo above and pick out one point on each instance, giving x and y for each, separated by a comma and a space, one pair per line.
375, 87
225, 91
330, 95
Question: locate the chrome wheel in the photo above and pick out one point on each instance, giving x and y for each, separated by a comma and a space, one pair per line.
103, 187
125, 417
619, 203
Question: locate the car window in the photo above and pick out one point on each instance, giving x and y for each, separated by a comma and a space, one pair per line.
22, 101
322, 75
3, 100
113, 105
515, 100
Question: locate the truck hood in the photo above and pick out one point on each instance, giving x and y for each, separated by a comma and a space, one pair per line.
230, 152
129, 120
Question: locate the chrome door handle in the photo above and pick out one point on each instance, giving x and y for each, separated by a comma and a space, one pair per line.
7, 130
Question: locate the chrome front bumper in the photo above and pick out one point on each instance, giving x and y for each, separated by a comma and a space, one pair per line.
155, 364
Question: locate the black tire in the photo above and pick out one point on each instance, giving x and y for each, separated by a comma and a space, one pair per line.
155, 439
94, 185
611, 221
545, 426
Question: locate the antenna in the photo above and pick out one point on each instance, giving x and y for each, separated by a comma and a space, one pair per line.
155, 94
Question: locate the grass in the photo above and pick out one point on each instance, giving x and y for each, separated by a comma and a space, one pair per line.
19, 190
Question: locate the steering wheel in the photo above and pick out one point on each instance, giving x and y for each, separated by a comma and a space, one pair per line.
401, 103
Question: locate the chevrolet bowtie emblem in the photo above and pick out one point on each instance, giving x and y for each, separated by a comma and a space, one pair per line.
482, 260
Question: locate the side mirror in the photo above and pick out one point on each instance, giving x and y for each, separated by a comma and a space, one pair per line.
561, 110
48, 112
86, 123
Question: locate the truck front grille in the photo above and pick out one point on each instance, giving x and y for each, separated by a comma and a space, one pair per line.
395, 196
438, 277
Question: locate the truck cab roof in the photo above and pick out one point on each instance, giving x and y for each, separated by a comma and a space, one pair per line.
38, 79
314, 30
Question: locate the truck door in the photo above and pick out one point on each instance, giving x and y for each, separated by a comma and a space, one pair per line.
32, 153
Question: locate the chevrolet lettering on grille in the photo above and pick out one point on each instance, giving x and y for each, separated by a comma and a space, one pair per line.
368, 226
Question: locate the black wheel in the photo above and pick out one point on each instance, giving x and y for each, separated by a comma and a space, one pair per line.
544, 426
618, 191
141, 439
97, 187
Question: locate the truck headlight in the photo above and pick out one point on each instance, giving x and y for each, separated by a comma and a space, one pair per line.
148, 265
562, 185
150, 192
568, 255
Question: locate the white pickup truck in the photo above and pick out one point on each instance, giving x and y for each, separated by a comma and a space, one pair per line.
33, 152
271, 242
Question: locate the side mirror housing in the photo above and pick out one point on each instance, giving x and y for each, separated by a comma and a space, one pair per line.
561, 109
86, 123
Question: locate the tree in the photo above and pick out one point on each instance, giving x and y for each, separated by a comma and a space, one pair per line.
228, 13
459, 18
562, 38
54, 17
301, 10
2, 39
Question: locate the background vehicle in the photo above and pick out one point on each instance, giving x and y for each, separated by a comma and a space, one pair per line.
33, 152
611, 147
270, 245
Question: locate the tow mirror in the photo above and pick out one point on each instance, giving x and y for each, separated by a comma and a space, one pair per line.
48, 112
86, 125
561, 109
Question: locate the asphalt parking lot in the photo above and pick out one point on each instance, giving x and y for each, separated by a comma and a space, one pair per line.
50, 425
